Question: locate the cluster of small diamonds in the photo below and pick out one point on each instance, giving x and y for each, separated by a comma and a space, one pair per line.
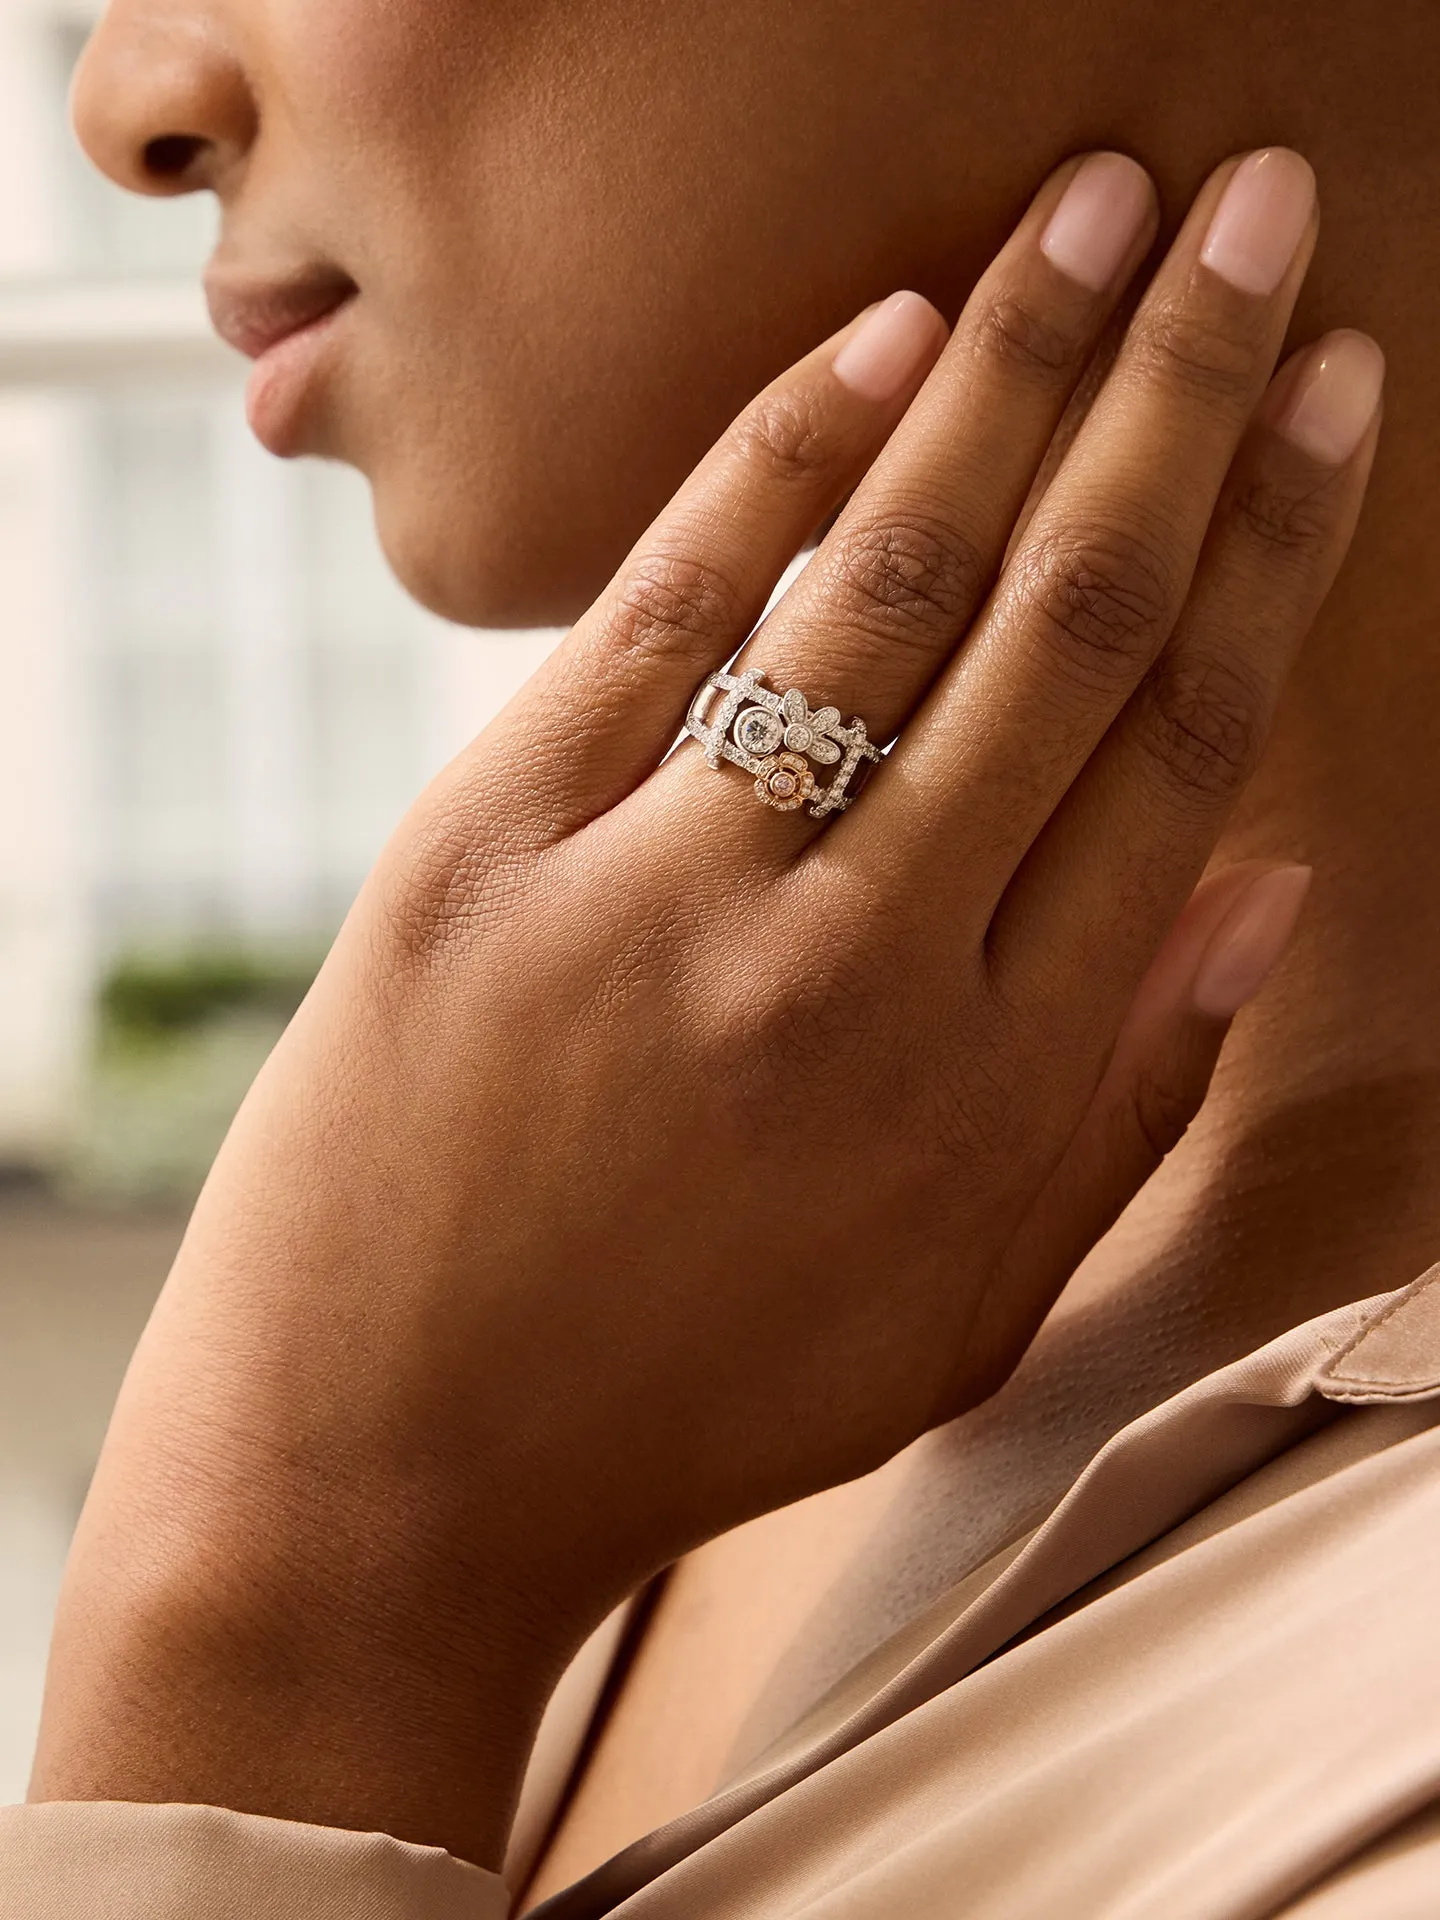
783, 780
753, 724
807, 732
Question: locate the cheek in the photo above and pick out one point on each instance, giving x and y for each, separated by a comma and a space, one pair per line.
348, 67
582, 244
549, 341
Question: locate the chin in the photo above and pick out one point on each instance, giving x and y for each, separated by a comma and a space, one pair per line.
467, 569
495, 561
518, 525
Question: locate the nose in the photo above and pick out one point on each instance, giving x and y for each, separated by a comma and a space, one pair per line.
160, 101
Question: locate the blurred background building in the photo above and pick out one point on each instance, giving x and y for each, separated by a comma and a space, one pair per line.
214, 704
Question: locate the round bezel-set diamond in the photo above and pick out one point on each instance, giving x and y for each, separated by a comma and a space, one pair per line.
759, 731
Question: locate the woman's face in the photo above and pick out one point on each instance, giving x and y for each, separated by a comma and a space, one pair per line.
568, 237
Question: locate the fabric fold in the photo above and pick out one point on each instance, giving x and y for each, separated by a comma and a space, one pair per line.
1148, 1479
106, 1860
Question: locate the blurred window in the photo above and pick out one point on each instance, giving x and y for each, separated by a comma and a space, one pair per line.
257, 698
219, 701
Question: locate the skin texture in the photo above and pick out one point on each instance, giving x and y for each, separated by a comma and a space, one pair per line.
539, 201
537, 319
308, 1521
583, 235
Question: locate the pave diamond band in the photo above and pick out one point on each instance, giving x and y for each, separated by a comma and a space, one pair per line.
775, 737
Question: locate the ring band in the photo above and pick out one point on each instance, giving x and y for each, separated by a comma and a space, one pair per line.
774, 737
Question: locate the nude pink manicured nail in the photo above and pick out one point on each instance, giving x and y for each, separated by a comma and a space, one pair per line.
1249, 942
1260, 221
884, 352
1099, 219
1337, 398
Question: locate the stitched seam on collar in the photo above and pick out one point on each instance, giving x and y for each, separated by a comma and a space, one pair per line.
1334, 1369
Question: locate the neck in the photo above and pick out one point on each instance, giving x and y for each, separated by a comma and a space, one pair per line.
1313, 1175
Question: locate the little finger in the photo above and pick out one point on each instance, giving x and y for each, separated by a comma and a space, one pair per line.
1145, 814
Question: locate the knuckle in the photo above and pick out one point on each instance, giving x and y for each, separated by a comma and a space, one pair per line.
975, 1116
1104, 598
794, 1022
1161, 1109
795, 1030
786, 436
1280, 519
911, 573
449, 879
668, 604
1204, 726
1016, 334
1199, 355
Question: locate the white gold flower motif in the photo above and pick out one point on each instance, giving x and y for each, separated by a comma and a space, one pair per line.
806, 732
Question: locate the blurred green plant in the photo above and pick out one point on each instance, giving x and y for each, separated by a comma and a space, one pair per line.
147, 999
179, 1038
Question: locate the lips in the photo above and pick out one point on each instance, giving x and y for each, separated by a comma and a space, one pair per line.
285, 321
254, 315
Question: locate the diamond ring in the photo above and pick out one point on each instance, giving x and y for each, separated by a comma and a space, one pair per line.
775, 737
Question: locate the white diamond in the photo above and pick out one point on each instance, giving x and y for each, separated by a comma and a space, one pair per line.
758, 732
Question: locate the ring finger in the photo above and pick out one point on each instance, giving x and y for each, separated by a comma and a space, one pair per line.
901, 574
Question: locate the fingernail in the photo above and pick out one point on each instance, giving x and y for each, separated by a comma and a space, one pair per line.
881, 356
1260, 220
1098, 221
1337, 398
1249, 941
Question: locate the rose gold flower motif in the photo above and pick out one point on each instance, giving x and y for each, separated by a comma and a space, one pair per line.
784, 782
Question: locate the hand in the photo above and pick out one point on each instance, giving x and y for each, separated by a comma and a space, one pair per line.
645, 1158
